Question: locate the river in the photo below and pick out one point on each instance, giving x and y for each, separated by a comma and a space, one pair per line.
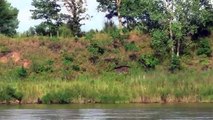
108, 112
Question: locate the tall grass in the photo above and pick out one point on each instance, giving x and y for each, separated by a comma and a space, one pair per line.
156, 86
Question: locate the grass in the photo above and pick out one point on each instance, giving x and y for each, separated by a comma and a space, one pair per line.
140, 87
68, 71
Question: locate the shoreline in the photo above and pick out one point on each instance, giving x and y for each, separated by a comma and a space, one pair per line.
99, 103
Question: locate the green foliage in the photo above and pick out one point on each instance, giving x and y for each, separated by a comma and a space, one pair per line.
65, 32
4, 50
95, 49
148, 61
41, 29
76, 15
89, 35
31, 31
204, 61
110, 7
204, 48
114, 33
160, 43
49, 10
175, 64
8, 18
43, 67
9, 94
69, 67
76, 67
22, 72
111, 29
143, 14
131, 47
207, 92
67, 59
60, 97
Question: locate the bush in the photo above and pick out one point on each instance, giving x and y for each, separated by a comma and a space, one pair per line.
76, 68
9, 93
204, 48
131, 47
67, 59
60, 97
148, 61
160, 43
65, 32
175, 64
22, 72
89, 35
95, 49
43, 67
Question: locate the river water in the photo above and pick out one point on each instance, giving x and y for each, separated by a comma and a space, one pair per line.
108, 112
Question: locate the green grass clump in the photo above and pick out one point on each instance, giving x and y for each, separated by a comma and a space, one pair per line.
9, 93
131, 47
60, 97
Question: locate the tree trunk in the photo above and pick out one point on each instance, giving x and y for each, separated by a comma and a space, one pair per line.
178, 48
170, 29
118, 4
171, 38
120, 26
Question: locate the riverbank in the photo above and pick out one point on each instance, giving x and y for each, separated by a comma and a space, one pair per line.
100, 68
137, 87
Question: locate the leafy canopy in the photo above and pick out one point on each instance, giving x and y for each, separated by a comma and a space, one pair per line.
8, 18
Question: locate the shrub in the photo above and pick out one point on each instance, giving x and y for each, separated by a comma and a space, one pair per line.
76, 68
148, 61
65, 32
89, 35
68, 58
204, 48
60, 97
9, 93
43, 67
111, 29
160, 43
67, 67
131, 47
175, 64
47, 99
22, 72
95, 49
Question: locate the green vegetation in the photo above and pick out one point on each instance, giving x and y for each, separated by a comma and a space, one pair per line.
8, 18
148, 61
204, 48
8, 93
160, 52
66, 71
113, 88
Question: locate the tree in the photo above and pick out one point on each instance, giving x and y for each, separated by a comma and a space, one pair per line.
8, 18
188, 18
49, 11
143, 14
179, 19
76, 10
112, 7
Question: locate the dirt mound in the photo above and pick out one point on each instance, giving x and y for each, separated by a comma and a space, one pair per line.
16, 58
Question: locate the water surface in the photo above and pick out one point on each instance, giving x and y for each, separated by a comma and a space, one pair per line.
108, 112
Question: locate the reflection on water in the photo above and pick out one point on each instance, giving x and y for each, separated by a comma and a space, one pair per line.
107, 112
